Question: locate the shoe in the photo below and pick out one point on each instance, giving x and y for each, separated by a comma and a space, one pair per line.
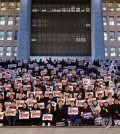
49, 124
43, 124
1, 124
107, 127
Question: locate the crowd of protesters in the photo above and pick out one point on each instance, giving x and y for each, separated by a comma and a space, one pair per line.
59, 92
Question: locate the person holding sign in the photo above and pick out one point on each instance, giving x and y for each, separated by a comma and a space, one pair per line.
47, 116
35, 115
86, 115
24, 120
115, 110
1, 114
106, 115
60, 113
12, 114
72, 114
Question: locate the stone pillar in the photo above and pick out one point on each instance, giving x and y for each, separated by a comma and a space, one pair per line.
97, 31
24, 33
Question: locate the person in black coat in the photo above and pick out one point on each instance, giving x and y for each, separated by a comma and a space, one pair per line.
24, 122
60, 113
48, 110
115, 109
106, 115
35, 121
86, 115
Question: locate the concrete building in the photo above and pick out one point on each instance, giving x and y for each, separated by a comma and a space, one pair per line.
59, 28
111, 22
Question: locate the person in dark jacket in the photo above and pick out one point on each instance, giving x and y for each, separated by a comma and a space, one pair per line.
115, 111
24, 122
106, 115
48, 110
73, 118
60, 113
12, 120
86, 115
35, 121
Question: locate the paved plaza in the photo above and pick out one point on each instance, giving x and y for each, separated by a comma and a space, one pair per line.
75, 130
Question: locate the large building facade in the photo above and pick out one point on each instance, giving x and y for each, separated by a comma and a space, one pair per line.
59, 28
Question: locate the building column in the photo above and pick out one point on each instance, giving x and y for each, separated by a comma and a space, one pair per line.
97, 30
24, 33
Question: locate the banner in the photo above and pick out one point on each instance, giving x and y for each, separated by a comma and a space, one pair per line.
79, 103
98, 121
41, 105
68, 100
47, 117
23, 114
117, 122
86, 81
87, 115
19, 103
56, 93
35, 113
10, 112
31, 102
72, 110
7, 104
1, 115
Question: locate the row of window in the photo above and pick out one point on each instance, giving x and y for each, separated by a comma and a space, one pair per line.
10, 5
112, 51
10, 20
61, 8
8, 51
9, 35
111, 20
59, 23
111, 35
111, 6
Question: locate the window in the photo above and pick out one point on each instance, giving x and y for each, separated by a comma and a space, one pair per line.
9, 35
112, 36
105, 36
111, 6
15, 51
1, 51
18, 6
119, 51
104, 20
104, 6
16, 20
118, 20
119, 35
11, 5
16, 35
1, 35
8, 51
2, 20
3, 5
112, 51
106, 51
118, 6
10, 20
111, 21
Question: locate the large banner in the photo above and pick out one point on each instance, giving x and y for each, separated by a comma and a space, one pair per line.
35, 113
72, 110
